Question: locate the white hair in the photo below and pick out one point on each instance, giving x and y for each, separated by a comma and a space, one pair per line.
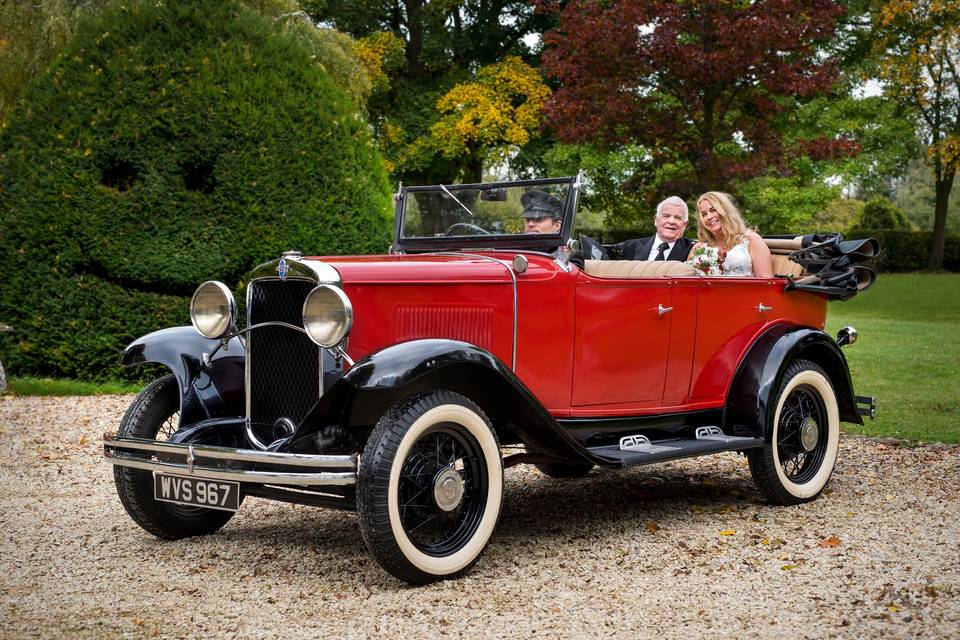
674, 200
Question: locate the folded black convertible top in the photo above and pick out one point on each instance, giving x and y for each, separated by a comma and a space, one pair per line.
834, 264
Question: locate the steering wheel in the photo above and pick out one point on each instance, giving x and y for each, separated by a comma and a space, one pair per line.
467, 226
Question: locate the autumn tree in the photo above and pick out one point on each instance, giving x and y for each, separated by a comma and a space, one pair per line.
703, 85
918, 46
463, 92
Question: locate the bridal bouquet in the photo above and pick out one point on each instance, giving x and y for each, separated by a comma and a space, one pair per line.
707, 261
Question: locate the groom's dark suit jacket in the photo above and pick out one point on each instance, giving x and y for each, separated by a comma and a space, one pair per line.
639, 249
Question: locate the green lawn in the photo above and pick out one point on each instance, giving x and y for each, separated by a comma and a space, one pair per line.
63, 387
908, 354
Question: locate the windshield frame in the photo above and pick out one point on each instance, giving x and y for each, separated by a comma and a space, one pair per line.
532, 241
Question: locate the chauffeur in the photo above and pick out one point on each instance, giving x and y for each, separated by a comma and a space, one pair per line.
668, 243
543, 213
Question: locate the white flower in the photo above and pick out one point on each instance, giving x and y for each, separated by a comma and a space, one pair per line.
706, 260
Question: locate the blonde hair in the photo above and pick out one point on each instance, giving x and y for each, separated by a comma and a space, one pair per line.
732, 224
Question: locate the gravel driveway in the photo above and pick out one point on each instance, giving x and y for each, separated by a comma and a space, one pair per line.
679, 550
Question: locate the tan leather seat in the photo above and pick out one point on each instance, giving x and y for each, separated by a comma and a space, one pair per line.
781, 248
639, 268
782, 266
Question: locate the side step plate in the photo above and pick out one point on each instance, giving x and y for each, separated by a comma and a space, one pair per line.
638, 450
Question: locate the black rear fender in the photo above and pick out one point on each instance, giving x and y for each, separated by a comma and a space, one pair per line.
751, 397
377, 382
205, 392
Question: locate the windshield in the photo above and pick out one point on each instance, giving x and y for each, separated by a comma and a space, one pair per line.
496, 214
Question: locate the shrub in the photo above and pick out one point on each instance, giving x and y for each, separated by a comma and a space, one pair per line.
782, 205
909, 250
880, 213
171, 143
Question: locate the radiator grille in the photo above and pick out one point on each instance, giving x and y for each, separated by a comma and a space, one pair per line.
470, 323
283, 365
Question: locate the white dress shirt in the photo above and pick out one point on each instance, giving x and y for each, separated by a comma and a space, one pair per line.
655, 249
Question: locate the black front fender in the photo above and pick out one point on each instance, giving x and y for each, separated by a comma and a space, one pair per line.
752, 395
380, 380
205, 392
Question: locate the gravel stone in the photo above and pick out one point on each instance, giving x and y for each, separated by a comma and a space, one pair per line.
679, 550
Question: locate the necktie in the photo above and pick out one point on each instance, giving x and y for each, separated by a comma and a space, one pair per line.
663, 248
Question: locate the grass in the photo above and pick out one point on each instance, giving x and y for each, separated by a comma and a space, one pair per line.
64, 387
908, 354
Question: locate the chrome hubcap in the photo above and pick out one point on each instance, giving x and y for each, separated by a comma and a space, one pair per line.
448, 489
809, 434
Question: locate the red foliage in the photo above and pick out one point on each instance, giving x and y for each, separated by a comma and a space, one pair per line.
702, 81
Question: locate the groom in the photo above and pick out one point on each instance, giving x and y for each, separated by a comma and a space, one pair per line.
668, 243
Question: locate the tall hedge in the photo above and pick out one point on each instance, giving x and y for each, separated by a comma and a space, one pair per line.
173, 142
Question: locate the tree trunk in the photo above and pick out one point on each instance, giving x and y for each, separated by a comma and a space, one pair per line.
475, 170
943, 185
415, 43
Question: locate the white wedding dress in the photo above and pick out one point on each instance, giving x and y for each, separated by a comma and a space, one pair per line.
738, 262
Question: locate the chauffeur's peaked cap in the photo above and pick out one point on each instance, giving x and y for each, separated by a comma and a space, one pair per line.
537, 204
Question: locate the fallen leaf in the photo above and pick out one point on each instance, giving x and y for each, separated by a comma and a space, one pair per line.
789, 567
653, 527
832, 541
728, 532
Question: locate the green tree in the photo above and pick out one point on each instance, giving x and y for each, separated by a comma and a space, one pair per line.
451, 51
916, 196
918, 48
170, 143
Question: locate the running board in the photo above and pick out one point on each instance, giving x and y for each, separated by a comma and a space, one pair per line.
637, 450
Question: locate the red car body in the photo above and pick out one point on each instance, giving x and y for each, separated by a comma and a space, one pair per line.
388, 384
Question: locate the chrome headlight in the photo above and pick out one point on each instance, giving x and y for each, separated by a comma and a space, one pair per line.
327, 315
213, 309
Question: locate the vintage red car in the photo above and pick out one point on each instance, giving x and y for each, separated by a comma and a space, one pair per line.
390, 384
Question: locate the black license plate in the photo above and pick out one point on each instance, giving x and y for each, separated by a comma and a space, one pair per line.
197, 492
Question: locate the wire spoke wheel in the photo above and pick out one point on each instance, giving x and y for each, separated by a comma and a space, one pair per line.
797, 461
442, 490
429, 487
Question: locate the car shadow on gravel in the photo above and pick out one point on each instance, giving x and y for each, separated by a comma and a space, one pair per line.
606, 499
303, 542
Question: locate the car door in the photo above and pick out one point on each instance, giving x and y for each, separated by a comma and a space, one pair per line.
621, 341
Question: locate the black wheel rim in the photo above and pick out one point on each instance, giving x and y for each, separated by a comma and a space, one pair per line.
800, 465
432, 530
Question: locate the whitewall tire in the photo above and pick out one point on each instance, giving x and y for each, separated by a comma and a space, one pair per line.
430, 486
795, 464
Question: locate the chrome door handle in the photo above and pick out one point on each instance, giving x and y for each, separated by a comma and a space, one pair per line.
662, 309
764, 308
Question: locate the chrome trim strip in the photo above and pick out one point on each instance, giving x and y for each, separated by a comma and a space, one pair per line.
347, 461
270, 477
316, 271
506, 265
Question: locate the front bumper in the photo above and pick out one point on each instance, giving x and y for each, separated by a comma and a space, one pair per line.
239, 465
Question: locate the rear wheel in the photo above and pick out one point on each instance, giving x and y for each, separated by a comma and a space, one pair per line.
154, 415
796, 463
429, 487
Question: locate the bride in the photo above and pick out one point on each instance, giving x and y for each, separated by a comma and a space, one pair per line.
720, 228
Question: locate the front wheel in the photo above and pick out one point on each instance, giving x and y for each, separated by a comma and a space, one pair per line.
154, 415
795, 464
429, 487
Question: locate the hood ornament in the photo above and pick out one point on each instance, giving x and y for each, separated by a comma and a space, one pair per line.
282, 268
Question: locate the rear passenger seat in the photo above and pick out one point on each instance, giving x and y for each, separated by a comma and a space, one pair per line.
782, 265
638, 268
